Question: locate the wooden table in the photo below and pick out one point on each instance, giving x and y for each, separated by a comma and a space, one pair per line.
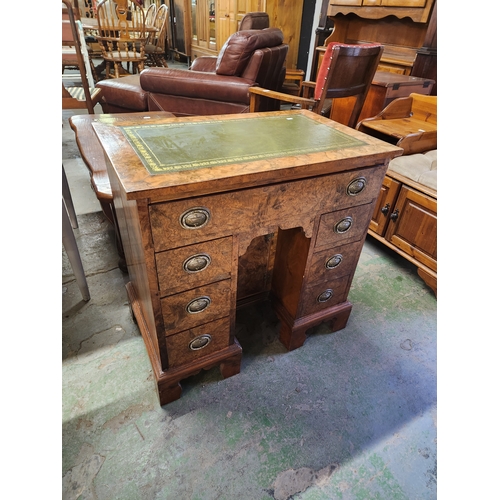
190, 196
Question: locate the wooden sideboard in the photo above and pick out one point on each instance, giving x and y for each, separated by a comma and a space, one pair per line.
406, 28
188, 210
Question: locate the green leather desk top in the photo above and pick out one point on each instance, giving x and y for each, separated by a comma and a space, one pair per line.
175, 147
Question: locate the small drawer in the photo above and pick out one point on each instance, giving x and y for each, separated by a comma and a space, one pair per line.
196, 307
194, 265
323, 295
344, 226
179, 223
334, 263
189, 345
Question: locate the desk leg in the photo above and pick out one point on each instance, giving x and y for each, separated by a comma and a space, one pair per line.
293, 331
169, 382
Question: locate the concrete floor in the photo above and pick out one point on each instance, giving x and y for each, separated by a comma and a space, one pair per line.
350, 415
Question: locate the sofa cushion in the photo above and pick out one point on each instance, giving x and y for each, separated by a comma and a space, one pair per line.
420, 167
238, 48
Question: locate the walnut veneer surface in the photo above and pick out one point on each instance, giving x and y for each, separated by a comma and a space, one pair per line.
185, 232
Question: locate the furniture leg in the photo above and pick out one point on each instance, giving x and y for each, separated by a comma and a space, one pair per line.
68, 200
69, 243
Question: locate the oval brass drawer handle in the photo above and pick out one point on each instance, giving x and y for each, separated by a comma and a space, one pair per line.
356, 186
196, 263
334, 261
343, 225
200, 342
198, 305
324, 296
195, 218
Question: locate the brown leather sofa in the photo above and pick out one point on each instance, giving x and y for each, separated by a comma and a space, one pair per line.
213, 85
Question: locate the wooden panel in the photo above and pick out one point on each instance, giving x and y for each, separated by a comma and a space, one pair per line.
388, 194
415, 229
194, 265
255, 268
176, 316
178, 345
287, 16
404, 3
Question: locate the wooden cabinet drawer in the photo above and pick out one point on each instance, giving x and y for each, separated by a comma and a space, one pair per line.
185, 222
334, 263
195, 307
194, 265
343, 226
190, 345
323, 295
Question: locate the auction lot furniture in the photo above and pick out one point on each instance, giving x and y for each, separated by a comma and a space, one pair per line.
192, 193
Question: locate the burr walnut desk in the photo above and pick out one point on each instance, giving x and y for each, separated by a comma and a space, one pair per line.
191, 194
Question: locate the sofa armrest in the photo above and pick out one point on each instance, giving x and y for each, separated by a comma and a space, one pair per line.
204, 63
196, 84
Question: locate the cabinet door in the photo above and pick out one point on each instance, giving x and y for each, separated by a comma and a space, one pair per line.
385, 205
413, 226
226, 21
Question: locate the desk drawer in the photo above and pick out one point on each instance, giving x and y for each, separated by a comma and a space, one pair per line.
196, 307
194, 265
334, 263
190, 345
344, 226
186, 222
323, 295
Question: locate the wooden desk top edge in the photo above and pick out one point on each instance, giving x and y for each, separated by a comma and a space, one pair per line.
137, 183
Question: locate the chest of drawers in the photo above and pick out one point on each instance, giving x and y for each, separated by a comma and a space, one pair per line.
186, 223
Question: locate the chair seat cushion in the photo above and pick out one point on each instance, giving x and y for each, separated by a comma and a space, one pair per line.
421, 168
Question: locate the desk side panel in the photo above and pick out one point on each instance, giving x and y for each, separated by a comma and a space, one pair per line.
133, 221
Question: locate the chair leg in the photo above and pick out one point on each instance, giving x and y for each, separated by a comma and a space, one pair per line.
69, 243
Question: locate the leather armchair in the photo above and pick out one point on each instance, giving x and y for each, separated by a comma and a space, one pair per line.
213, 85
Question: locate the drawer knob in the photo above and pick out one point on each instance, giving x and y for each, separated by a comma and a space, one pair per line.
394, 216
334, 261
356, 186
197, 263
385, 209
324, 296
343, 225
200, 342
195, 218
198, 305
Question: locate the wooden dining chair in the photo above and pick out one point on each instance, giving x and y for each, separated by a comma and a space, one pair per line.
155, 45
74, 54
346, 72
150, 15
121, 36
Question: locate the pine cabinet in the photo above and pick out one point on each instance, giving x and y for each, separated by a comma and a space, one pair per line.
405, 220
